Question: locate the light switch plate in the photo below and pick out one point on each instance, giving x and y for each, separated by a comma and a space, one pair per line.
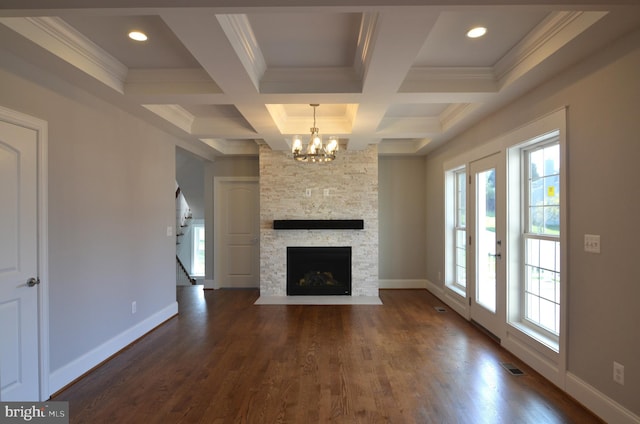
592, 243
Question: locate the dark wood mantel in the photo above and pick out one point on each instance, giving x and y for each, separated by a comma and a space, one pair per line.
318, 224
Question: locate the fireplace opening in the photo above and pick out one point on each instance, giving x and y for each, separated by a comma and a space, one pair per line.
318, 271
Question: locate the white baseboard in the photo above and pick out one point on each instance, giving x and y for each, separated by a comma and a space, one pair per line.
435, 289
402, 284
449, 298
76, 368
600, 404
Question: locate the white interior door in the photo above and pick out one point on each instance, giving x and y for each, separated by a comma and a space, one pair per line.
237, 262
19, 347
487, 288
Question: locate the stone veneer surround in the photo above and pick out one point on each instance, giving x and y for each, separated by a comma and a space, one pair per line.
352, 184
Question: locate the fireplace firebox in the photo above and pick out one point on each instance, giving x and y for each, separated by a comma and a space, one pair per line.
318, 271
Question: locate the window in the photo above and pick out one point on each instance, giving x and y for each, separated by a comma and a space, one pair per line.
460, 230
456, 236
197, 268
535, 280
541, 237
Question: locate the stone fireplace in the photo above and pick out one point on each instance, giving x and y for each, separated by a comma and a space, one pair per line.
345, 189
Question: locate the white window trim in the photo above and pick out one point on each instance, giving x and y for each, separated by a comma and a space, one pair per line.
537, 353
450, 225
544, 353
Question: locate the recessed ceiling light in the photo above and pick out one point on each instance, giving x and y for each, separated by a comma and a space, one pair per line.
476, 32
138, 36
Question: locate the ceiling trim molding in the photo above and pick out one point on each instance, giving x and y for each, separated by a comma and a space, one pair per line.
310, 80
409, 127
170, 81
449, 79
232, 147
455, 113
59, 38
174, 114
364, 48
548, 37
238, 30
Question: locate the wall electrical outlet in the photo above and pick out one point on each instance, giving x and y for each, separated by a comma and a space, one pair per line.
618, 373
591, 243
134, 307
307, 192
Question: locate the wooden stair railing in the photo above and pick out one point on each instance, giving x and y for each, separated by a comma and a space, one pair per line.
182, 273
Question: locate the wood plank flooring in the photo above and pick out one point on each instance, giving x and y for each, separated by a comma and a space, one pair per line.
225, 360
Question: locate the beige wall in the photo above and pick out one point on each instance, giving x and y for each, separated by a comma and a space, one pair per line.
603, 123
111, 199
402, 213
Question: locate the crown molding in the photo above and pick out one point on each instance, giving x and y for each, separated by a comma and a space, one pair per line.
454, 113
547, 38
449, 79
310, 80
174, 114
232, 147
170, 81
59, 38
240, 34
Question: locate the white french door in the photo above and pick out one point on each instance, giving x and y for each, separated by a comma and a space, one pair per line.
487, 286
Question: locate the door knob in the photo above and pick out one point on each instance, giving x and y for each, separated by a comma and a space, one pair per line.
33, 281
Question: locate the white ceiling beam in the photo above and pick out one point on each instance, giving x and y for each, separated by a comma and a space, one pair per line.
396, 40
203, 35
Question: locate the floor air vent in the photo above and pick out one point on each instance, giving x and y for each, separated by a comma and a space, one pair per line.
440, 309
513, 370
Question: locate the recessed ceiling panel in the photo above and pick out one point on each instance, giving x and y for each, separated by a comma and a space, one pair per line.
161, 50
448, 45
415, 110
209, 111
307, 39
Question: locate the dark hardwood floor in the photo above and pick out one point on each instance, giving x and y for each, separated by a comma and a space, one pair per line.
225, 360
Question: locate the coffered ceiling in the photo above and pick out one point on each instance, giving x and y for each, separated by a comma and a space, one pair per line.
229, 75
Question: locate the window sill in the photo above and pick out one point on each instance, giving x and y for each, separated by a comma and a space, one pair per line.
457, 290
547, 342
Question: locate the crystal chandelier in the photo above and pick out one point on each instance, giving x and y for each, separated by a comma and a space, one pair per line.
315, 151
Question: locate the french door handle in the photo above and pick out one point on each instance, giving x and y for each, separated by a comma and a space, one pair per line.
497, 255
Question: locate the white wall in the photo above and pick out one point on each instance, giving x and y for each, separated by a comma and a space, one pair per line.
111, 198
603, 122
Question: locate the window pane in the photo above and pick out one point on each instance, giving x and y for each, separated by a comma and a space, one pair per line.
198, 250
536, 160
533, 308
548, 254
536, 219
533, 280
551, 220
552, 159
548, 314
552, 190
541, 237
533, 252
